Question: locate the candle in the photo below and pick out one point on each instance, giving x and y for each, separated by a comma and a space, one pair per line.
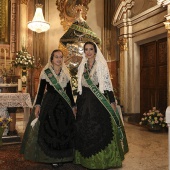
19, 85
5, 57
11, 59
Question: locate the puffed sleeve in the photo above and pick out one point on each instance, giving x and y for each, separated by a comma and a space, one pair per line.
40, 92
70, 94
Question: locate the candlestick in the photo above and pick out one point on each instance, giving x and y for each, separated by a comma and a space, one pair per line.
19, 85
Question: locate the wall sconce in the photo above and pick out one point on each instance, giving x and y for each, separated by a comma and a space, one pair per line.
38, 24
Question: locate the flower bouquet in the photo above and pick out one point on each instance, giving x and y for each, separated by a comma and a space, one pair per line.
4, 121
153, 119
24, 59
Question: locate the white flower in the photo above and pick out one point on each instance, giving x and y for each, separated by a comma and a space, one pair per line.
24, 79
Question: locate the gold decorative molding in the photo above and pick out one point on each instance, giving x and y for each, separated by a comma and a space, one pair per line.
24, 2
122, 78
69, 10
3, 50
122, 42
122, 10
4, 21
13, 31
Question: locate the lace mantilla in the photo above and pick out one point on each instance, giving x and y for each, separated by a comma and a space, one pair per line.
99, 75
62, 78
102, 73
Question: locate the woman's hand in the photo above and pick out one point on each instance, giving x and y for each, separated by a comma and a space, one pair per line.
113, 106
74, 111
37, 111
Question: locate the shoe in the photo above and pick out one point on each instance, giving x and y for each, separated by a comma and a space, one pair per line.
57, 165
12, 133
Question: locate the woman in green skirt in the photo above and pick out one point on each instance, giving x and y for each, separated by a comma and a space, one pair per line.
100, 141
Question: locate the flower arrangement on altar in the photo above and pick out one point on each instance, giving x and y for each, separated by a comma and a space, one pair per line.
4, 121
153, 118
24, 59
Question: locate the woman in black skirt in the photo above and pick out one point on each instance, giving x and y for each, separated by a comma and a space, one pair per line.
100, 141
51, 138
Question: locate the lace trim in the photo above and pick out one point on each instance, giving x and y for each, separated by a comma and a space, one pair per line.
100, 75
62, 78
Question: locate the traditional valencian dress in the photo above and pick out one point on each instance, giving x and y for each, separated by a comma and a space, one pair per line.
51, 139
100, 137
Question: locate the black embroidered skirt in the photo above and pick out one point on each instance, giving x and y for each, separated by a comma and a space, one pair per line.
93, 127
52, 138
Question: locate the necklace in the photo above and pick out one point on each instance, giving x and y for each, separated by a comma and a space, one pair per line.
87, 66
58, 71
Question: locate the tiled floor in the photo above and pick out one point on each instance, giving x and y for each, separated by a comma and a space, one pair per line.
147, 150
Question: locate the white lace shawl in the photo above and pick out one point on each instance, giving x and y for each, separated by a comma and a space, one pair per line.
63, 79
102, 73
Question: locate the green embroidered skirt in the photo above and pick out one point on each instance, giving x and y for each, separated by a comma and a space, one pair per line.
97, 142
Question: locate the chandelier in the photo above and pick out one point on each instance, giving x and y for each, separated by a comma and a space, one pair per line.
163, 2
38, 24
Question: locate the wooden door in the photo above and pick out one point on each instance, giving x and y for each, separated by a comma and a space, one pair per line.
153, 78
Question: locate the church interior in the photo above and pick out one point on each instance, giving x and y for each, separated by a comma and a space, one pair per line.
133, 36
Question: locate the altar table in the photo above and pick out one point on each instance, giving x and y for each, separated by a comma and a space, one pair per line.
17, 100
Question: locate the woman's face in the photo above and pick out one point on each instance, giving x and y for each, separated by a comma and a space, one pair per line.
89, 51
57, 58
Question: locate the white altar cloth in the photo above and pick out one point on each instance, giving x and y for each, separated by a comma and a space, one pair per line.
17, 100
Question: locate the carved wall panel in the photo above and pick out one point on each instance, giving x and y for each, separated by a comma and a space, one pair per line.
4, 21
154, 75
68, 10
13, 27
150, 53
162, 53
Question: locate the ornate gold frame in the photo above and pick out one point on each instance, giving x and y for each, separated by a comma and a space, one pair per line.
68, 10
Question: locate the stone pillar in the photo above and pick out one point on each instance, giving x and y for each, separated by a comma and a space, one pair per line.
167, 26
168, 67
123, 55
122, 21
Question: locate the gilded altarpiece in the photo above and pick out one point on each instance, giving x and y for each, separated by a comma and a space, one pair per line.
4, 21
7, 33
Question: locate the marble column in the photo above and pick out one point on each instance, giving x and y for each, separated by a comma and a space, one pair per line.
122, 21
123, 54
